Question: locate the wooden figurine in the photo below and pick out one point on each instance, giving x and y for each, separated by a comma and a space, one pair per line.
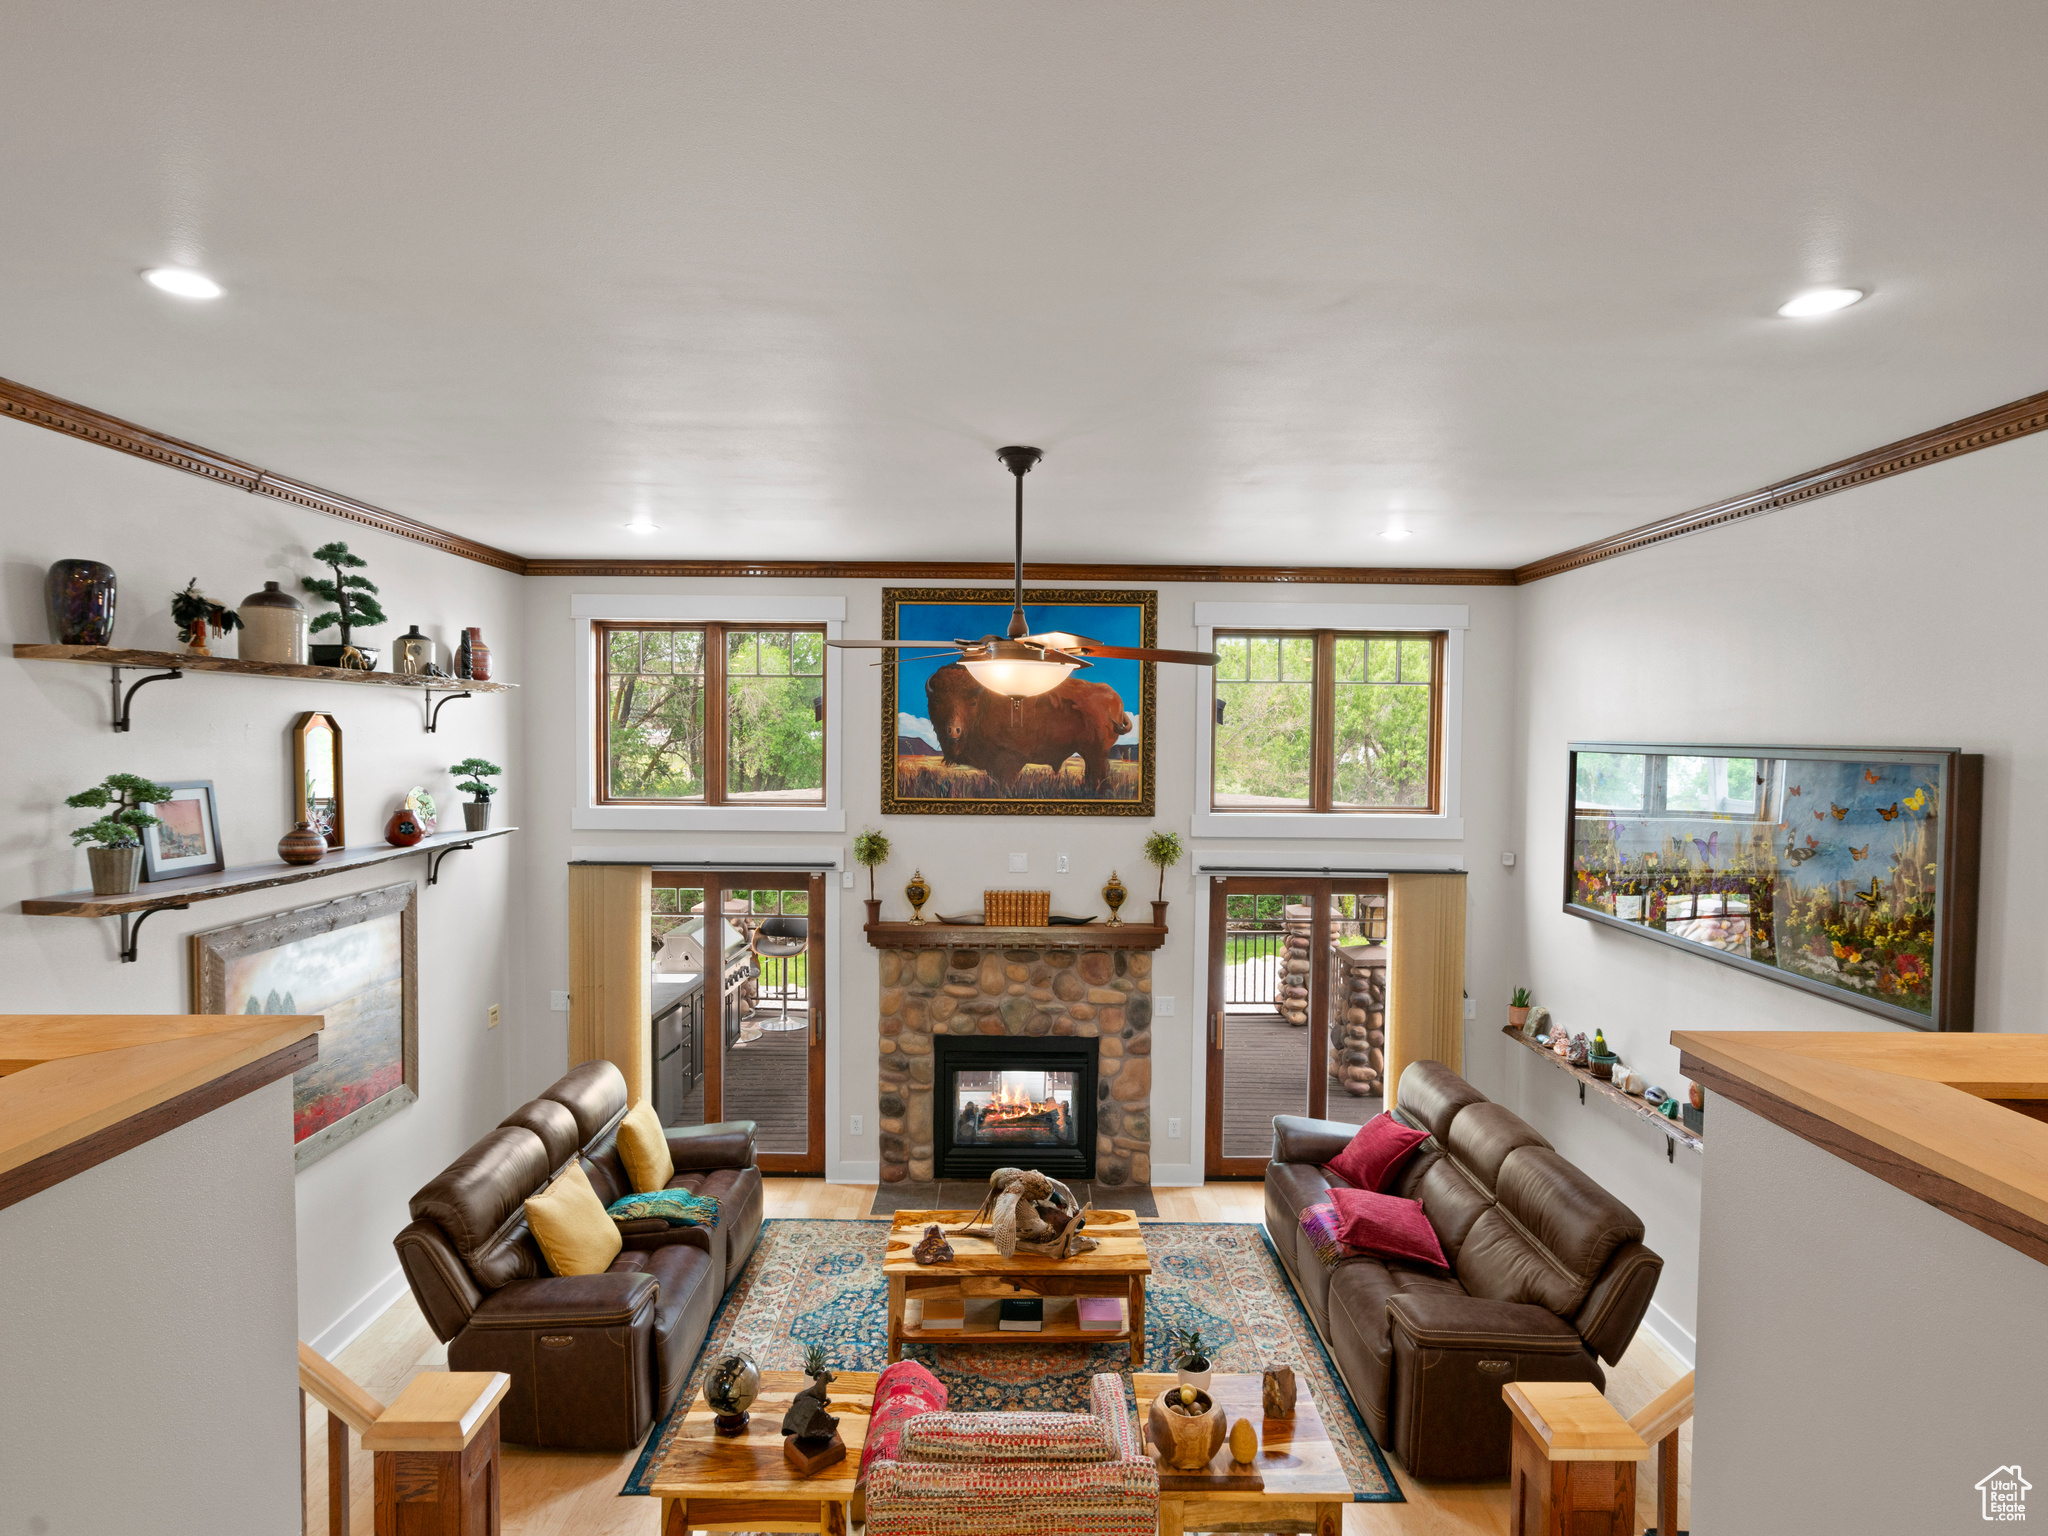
810, 1436
1277, 1394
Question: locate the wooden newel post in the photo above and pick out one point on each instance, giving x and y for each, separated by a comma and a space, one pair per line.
1574, 1464
436, 1452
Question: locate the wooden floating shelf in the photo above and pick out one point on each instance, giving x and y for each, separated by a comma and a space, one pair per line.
114, 656
1675, 1129
976, 936
157, 895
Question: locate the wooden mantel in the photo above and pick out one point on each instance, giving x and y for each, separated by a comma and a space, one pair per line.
978, 936
1955, 1120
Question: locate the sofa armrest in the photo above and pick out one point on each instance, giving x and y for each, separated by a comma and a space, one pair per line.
1614, 1308
1451, 1320
1106, 1397
614, 1299
726, 1144
1298, 1139
441, 1283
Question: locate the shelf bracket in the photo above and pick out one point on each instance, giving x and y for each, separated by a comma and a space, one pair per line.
131, 922
436, 857
1670, 1150
121, 704
1582, 1090
434, 713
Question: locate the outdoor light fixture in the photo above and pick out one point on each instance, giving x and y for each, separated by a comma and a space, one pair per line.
182, 281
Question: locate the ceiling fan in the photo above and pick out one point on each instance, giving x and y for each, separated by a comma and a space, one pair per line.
1020, 665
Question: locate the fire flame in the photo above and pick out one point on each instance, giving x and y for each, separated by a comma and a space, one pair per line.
1015, 1104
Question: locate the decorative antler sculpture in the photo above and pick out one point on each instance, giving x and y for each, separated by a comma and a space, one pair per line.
1033, 1211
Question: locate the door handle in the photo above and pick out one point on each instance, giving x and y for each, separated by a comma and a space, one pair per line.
1216, 1029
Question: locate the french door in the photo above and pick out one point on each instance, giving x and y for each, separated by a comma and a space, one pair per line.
737, 996
1293, 964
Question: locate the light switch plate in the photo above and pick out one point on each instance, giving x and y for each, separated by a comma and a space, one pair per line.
1020, 864
558, 1002
1061, 865
1163, 1007
846, 879
853, 1125
1173, 1130
494, 1017
1471, 1009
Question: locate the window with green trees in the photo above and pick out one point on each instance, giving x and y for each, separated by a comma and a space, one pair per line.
1325, 720
763, 687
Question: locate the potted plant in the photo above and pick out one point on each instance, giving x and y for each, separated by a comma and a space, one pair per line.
476, 812
1190, 1357
1518, 1007
355, 607
1163, 850
116, 838
197, 615
869, 849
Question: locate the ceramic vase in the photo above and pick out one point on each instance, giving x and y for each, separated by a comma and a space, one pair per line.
403, 829
113, 869
80, 595
302, 845
476, 815
1199, 1380
1113, 897
273, 627
473, 660
917, 893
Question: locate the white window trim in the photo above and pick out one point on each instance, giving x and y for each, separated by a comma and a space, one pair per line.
626, 608
1336, 826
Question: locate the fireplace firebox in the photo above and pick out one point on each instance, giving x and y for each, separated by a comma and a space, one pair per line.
1005, 1102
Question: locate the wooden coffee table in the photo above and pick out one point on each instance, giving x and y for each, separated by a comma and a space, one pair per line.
976, 1272
712, 1482
1303, 1483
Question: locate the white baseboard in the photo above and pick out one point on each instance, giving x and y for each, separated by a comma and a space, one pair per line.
1670, 1335
347, 1328
1175, 1175
853, 1172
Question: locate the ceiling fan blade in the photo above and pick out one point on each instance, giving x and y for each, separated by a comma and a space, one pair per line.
914, 645
1081, 645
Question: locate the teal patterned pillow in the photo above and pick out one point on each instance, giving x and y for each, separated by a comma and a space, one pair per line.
677, 1207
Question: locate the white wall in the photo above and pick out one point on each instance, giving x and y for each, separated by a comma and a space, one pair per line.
961, 855
146, 1337
1905, 613
1864, 1357
64, 498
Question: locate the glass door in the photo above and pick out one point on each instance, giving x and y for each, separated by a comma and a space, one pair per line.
742, 1037
1296, 1016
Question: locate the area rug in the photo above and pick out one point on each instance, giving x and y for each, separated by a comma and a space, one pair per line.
821, 1282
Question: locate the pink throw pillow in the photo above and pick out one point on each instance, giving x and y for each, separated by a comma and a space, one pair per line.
902, 1392
1376, 1153
1387, 1225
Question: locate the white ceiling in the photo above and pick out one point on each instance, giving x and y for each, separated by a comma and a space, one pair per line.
1257, 276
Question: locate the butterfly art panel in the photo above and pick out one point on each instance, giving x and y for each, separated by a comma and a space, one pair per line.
1848, 873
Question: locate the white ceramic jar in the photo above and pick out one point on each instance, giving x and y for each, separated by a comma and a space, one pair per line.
273, 627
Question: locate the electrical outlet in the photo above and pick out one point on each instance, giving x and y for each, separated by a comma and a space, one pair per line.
494, 1017
1020, 864
1471, 1009
1061, 864
1173, 1130
1507, 860
846, 879
558, 1002
1163, 1007
853, 1125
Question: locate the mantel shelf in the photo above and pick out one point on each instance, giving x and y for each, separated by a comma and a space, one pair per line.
115, 656
977, 936
1675, 1129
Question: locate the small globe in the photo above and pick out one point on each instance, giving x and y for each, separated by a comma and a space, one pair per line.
731, 1385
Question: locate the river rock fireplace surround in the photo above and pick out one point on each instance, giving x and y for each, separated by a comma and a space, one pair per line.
1092, 995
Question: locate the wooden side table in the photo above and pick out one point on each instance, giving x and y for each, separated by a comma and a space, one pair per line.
712, 1482
436, 1451
1294, 1483
1574, 1461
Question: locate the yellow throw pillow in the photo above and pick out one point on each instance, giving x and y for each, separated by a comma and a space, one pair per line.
569, 1222
644, 1150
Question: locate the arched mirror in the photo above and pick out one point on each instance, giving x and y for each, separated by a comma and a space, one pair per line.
316, 775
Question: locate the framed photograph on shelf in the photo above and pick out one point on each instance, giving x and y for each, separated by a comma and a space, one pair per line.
188, 840
951, 747
353, 960
1846, 872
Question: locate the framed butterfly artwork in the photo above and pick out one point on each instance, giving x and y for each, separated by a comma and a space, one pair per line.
1847, 872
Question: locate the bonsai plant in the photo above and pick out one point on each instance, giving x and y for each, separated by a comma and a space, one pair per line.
476, 814
1163, 850
194, 612
355, 607
1190, 1357
1518, 1007
869, 849
116, 838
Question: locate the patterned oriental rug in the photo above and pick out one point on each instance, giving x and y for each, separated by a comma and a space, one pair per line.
821, 1282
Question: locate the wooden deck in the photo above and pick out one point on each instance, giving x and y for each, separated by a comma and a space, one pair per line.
1265, 1073
765, 1083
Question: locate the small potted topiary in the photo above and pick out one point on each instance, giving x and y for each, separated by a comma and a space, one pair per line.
1163, 850
1518, 1007
115, 856
869, 849
198, 616
1190, 1357
476, 811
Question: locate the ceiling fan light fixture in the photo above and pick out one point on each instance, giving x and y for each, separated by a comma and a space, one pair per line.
1019, 677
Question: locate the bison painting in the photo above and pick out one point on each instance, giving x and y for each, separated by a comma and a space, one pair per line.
1000, 736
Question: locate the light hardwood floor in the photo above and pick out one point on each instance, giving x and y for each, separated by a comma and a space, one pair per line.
567, 1493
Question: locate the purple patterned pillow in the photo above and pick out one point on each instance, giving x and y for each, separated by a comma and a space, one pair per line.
974, 1437
1321, 1223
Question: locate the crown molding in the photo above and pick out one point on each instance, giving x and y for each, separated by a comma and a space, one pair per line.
2000, 424
1036, 571
67, 416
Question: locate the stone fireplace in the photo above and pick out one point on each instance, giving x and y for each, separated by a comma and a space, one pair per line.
1037, 985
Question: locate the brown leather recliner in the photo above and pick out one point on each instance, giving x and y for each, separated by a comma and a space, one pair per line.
594, 1359
1547, 1272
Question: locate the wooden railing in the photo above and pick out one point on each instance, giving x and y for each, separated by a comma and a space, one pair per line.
442, 1421
1658, 1424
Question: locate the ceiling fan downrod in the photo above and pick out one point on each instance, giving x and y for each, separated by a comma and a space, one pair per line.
1019, 462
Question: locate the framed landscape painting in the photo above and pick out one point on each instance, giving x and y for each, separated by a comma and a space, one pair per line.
951, 747
1851, 873
353, 961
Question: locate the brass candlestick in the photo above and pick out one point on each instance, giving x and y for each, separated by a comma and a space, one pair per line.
1113, 895
917, 893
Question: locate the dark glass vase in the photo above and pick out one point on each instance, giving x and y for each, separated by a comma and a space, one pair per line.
81, 599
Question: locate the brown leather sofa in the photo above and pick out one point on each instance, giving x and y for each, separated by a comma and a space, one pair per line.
1548, 1271
594, 1359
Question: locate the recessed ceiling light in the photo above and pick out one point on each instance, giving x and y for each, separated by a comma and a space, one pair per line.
1818, 301
183, 281
641, 525
1396, 534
